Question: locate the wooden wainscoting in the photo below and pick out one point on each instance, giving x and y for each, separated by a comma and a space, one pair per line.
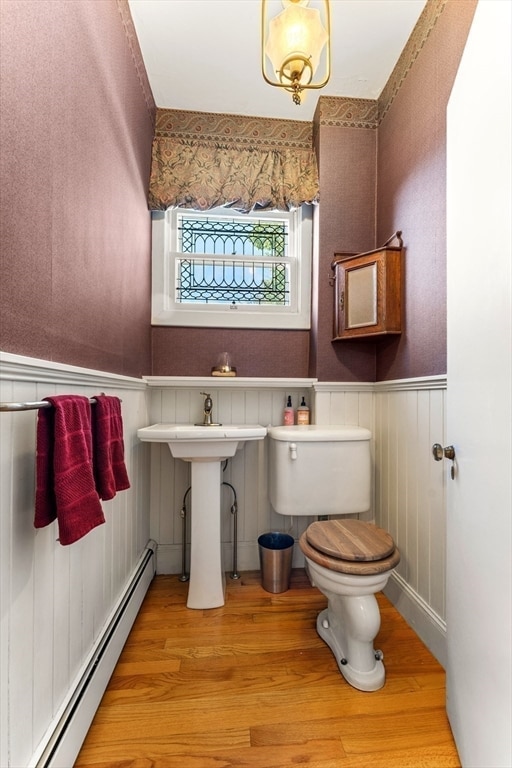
251, 685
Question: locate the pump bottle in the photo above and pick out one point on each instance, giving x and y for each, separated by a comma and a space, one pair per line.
288, 415
303, 413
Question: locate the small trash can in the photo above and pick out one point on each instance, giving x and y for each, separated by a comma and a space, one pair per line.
276, 551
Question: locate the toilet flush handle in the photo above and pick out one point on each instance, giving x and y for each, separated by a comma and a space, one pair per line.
293, 451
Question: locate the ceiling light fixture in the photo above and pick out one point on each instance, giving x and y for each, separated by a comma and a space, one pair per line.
293, 42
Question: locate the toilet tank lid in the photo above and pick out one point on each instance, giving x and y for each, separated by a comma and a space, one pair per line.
315, 433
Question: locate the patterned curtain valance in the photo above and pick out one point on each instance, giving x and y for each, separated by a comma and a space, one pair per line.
204, 160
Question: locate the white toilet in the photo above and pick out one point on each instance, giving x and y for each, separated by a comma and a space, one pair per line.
320, 471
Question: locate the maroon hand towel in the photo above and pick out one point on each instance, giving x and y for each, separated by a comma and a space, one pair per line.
108, 456
65, 488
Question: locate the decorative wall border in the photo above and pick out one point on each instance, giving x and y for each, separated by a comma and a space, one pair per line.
415, 43
349, 112
236, 130
133, 42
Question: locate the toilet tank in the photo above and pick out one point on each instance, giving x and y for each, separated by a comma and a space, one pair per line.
316, 470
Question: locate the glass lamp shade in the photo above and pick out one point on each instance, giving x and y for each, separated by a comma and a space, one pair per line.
295, 41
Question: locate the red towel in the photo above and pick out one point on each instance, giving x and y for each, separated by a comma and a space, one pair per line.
108, 456
65, 488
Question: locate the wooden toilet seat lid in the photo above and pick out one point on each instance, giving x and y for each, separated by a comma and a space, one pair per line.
352, 540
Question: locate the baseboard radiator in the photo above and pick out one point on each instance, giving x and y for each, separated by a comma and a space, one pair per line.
63, 742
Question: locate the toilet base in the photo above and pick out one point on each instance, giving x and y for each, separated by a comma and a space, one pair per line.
372, 678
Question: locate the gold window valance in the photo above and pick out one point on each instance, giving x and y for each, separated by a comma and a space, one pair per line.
203, 160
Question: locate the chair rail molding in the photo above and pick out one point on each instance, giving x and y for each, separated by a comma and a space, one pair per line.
21, 368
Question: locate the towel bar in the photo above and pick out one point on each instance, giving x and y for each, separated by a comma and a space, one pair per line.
31, 406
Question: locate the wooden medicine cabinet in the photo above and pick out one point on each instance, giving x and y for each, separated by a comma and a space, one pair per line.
368, 292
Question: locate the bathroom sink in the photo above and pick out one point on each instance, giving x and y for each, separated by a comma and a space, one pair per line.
191, 442
205, 447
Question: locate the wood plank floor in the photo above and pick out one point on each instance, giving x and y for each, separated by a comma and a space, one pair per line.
251, 685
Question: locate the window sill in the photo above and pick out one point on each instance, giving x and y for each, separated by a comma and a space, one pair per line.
231, 382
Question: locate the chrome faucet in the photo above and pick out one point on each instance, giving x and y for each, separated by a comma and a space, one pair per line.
207, 412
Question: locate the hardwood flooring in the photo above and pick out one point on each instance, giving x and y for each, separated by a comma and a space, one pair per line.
251, 685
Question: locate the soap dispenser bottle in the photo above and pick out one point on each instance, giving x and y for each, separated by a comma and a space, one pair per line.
288, 415
303, 413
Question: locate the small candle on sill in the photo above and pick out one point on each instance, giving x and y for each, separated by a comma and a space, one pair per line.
223, 366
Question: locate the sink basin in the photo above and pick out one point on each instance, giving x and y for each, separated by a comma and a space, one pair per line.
205, 448
190, 442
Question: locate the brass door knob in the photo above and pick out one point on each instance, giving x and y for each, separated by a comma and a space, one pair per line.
439, 453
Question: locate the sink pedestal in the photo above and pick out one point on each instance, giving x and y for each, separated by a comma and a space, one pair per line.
207, 578
205, 447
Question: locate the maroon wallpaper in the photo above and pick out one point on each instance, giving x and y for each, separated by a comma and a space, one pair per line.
194, 351
347, 166
411, 195
76, 133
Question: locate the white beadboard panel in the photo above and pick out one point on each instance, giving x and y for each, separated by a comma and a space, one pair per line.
410, 469
405, 527
42, 670
344, 403
410, 499
437, 496
425, 464
6, 490
395, 524
55, 600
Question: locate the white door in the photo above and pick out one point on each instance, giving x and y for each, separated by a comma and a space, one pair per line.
479, 595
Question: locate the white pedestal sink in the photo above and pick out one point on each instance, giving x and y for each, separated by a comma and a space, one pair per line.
205, 447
